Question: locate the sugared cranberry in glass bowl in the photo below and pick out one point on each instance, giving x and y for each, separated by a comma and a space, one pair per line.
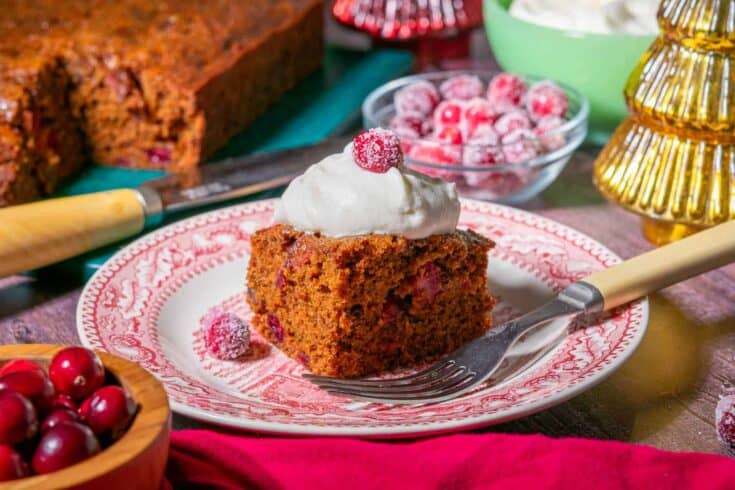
108, 411
18, 421
497, 136
77, 372
65, 444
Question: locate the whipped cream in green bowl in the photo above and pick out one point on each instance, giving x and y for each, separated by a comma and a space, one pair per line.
592, 45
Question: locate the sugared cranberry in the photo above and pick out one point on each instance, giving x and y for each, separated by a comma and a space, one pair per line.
506, 92
427, 283
159, 155
66, 444
410, 126
477, 113
437, 154
12, 465
275, 327
226, 336
33, 385
512, 121
448, 113
546, 99
519, 147
462, 87
108, 411
450, 135
377, 150
18, 421
57, 416
20, 365
417, 98
77, 372
481, 155
64, 401
484, 134
547, 125
725, 419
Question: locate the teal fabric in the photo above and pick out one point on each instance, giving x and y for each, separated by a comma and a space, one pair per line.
325, 104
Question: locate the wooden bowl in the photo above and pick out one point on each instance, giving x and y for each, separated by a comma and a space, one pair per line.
138, 459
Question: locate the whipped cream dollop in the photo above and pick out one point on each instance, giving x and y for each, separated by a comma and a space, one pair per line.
597, 16
338, 198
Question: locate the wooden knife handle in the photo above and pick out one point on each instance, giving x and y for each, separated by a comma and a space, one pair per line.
41, 233
657, 269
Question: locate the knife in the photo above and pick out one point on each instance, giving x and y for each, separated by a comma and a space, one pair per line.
45, 232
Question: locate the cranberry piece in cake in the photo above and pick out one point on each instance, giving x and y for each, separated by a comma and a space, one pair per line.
512, 121
506, 92
226, 336
546, 99
417, 98
462, 87
377, 150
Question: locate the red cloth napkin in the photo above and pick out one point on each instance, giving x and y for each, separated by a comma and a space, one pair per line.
205, 459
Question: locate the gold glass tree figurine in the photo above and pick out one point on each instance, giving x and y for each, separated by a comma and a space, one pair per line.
673, 159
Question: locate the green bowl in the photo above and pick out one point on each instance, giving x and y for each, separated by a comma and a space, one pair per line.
598, 65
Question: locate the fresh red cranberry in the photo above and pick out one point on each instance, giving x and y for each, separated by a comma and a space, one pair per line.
550, 125
512, 121
506, 92
275, 327
377, 150
12, 465
33, 385
109, 411
159, 155
18, 421
20, 365
64, 401
64, 445
462, 87
725, 419
427, 283
417, 98
546, 99
518, 146
477, 113
77, 372
448, 113
437, 154
57, 416
450, 135
226, 336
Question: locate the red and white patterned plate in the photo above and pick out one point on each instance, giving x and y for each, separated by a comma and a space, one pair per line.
144, 304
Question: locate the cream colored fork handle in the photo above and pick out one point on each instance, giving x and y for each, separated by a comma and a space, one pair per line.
665, 266
41, 233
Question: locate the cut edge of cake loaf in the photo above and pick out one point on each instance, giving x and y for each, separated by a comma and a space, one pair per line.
355, 306
40, 140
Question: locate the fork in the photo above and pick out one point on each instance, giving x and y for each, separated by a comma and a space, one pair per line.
473, 364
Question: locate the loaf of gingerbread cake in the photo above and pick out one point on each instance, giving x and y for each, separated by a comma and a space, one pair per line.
159, 84
366, 304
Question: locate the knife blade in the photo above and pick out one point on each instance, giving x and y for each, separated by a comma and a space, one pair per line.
234, 177
42, 233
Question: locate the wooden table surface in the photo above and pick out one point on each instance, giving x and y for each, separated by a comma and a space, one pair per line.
664, 396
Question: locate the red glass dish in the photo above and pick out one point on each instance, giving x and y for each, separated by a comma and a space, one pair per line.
408, 19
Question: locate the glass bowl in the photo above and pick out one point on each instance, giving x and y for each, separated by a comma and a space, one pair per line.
504, 182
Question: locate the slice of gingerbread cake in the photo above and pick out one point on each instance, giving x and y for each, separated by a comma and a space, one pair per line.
365, 270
